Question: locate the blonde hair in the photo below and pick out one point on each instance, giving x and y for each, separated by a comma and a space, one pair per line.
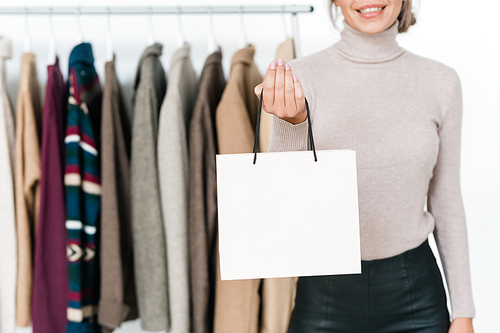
406, 17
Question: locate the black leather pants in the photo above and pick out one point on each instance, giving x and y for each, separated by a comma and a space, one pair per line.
403, 294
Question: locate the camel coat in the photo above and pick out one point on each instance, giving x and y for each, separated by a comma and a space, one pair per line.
27, 182
240, 303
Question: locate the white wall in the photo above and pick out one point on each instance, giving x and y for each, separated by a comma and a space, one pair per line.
459, 33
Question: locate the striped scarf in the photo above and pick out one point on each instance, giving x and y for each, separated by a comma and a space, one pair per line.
83, 191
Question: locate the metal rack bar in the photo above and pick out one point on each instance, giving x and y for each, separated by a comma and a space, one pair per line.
166, 10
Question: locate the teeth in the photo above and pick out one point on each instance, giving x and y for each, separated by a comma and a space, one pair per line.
373, 9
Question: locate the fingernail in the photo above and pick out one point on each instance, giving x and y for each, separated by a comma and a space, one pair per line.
287, 67
294, 78
273, 65
280, 62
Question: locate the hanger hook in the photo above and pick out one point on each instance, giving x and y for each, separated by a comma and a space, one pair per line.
151, 30
108, 17
179, 24
211, 17
283, 21
50, 12
26, 21
79, 25
241, 10
211, 13
109, 36
52, 58
27, 44
244, 42
212, 44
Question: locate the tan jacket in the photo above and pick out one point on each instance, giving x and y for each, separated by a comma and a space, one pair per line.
238, 303
27, 182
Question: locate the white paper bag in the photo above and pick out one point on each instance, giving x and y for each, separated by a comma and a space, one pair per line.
289, 214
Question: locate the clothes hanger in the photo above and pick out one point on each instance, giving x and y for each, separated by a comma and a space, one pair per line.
212, 44
286, 34
52, 41
109, 37
79, 35
243, 37
295, 35
27, 41
180, 34
151, 38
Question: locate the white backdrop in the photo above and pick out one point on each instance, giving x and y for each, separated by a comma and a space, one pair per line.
459, 33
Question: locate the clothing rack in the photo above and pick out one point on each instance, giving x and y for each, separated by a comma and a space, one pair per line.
155, 10
165, 10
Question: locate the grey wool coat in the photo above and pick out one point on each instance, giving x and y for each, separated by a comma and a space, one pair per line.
173, 168
147, 224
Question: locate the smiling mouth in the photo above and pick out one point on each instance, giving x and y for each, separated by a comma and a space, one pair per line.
371, 11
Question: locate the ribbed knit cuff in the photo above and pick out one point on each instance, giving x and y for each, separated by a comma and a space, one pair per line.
286, 136
468, 310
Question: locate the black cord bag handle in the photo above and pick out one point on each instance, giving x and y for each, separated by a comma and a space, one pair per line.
257, 130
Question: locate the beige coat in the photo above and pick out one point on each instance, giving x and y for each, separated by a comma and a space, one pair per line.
238, 303
27, 182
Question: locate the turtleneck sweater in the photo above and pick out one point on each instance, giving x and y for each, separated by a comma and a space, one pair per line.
402, 115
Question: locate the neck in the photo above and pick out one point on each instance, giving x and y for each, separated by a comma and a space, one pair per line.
362, 47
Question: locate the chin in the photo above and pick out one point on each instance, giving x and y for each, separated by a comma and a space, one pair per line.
374, 26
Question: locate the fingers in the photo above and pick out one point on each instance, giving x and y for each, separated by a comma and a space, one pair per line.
268, 100
289, 89
282, 91
299, 95
279, 85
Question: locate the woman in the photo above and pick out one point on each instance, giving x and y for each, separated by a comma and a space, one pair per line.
402, 114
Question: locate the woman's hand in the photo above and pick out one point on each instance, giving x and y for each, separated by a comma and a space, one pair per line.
283, 95
461, 325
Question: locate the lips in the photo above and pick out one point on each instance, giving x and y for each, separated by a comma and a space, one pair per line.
371, 6
371, 14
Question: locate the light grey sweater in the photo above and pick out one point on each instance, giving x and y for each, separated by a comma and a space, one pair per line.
173, 175
402, 114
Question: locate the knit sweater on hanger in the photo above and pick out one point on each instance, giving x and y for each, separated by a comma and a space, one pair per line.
402, 114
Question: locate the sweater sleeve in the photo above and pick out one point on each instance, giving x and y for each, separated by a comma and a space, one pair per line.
444, 202
286, 136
